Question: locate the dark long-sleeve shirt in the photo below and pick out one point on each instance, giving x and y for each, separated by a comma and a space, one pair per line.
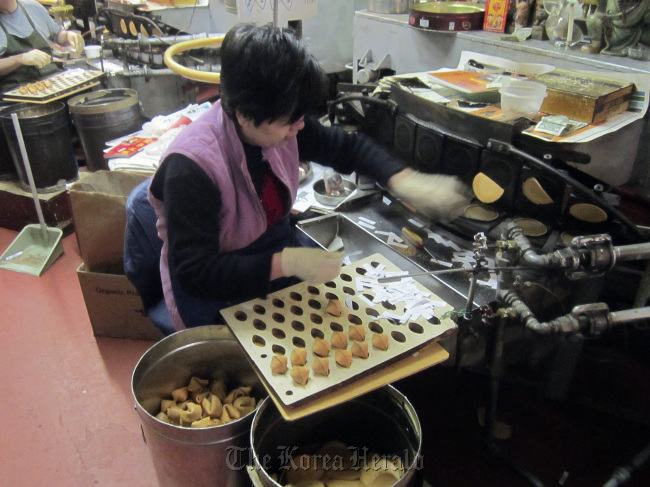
192, 203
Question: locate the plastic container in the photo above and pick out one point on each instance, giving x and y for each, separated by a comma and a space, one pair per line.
200, 457
92, 51
46, 132
101, 116
521, 98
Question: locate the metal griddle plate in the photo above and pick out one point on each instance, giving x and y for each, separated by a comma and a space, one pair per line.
296, 315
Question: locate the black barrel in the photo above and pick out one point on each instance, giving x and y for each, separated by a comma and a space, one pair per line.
101, 116
46, 134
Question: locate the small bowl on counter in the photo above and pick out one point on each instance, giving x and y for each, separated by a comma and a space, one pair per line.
347, 188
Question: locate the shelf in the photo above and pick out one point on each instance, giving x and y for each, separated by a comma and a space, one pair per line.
410, 44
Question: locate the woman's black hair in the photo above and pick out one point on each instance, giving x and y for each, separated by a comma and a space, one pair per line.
267, 74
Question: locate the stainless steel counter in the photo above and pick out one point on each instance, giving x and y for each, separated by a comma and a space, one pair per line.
388, 216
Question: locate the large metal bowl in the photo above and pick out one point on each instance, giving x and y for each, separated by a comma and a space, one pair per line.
322, 197
447, 16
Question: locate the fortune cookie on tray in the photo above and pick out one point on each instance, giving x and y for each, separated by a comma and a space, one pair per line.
359, 349
279, 364
321, 347
321, 366
334, 307
343, 358
380, 341
357, 333
300, 374
339, 340
298, 356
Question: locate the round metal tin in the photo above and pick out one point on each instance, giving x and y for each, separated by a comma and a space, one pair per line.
447, 16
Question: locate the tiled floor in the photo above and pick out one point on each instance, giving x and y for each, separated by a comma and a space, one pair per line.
69, 419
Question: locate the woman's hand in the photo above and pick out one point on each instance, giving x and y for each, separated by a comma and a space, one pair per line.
437, 196
316, 266
35, 58
74, 40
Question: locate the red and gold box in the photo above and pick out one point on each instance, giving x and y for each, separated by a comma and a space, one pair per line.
495, 15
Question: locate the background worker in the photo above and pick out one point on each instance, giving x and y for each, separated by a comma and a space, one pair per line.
26, 30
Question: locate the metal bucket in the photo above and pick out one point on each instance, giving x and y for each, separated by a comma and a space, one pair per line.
215, 456
47, 138
382, 421
101, 116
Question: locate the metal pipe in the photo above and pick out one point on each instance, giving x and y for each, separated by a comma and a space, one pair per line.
564, 324
142, 41
193, 74
146, 71
589, 318
526, 251
628, 316
276, 16
639, 251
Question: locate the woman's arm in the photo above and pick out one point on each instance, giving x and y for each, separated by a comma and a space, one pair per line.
345, 152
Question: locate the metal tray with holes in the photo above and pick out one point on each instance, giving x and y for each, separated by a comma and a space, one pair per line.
63, 84
295, 316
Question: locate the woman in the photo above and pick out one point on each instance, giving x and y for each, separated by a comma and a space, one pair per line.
25, 52
226, 185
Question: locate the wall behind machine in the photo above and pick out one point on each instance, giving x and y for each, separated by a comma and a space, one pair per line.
329, 34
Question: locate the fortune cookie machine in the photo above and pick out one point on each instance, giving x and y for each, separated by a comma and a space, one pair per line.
134, 40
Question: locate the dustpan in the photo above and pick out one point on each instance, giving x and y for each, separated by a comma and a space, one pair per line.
37, 246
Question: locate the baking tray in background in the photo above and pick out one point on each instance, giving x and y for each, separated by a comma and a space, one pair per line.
64, 83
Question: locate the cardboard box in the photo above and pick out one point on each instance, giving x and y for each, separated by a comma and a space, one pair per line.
98, 202
114, 306
584, 97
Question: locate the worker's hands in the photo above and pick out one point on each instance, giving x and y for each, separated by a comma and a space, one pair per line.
35, 58
437, 196
315, 266
75, 41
